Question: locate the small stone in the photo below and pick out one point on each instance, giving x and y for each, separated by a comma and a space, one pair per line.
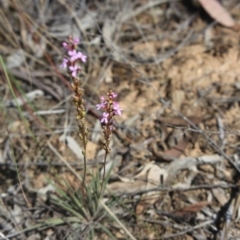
206, 168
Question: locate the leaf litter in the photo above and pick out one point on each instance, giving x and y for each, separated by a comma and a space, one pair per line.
177, 74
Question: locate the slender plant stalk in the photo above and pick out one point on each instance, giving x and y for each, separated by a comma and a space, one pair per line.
84, 167
111, 108
72, 63
104, 173
83, 132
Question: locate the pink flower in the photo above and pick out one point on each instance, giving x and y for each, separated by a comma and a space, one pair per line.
102, 104
74, 58
111, 127
117, 109
72, 52
64, 63
104, 117
65, 45
114, 94
78, 56
73, 55
76, 41
110, 110
84, 58
74, 70
72, 62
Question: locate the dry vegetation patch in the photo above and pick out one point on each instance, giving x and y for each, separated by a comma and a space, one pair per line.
175, 150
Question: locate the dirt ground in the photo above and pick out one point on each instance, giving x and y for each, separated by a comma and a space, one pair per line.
175, 149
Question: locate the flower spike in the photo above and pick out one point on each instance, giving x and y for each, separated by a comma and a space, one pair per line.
111, 108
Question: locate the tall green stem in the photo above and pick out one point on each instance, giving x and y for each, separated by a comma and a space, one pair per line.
104, 173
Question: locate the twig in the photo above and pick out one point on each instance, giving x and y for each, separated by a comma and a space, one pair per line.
116, 219
64, 161
188, 230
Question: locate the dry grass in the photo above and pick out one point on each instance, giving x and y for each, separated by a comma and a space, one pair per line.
175, 152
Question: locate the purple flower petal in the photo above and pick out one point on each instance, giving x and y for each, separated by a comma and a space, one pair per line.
84, 58
104, 117
64, 63
72, 52
74, 70
65, 45
117, 109
99, 106
76, 41
74, 73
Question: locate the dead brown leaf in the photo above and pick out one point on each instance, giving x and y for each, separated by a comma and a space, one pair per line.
172, 153
187, 213
218, 12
